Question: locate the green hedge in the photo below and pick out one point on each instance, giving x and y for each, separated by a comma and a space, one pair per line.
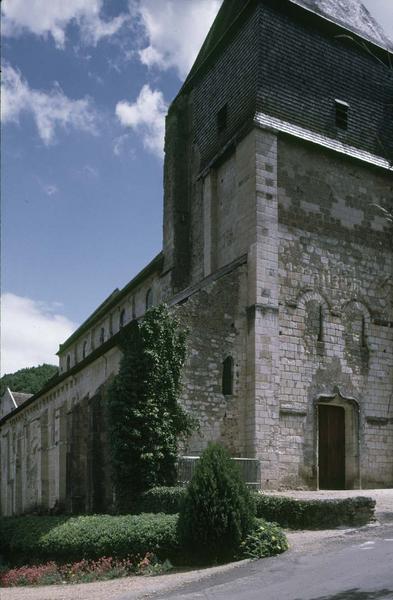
287, 512
65, 539
32, 540
314, 514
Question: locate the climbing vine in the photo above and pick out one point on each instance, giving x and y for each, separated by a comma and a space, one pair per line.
145, 418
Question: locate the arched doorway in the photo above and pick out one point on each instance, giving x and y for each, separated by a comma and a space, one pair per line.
337, 423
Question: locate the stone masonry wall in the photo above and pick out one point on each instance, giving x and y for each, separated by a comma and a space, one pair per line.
223, 212
264, 307
217, 322
53, 452
336, 334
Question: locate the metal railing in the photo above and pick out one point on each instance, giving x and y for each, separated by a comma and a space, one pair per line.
250, 470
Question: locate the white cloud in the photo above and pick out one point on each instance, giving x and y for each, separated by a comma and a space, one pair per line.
90, 172
122, 146
50, 190
43, 18
146, 116
49, 110
118, 144
31, 332
176, 30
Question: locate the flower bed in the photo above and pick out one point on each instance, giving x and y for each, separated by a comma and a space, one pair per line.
83, 571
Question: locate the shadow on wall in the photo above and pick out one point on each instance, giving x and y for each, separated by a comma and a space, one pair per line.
356, 594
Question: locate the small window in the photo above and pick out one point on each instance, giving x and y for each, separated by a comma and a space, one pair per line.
122, 318
363, 334
320, 324
68, 362
84, 349
149, 298
341, 114
102, 335
227, 376
222, 118
314, 323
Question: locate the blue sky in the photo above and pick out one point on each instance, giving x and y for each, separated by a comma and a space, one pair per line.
86, 84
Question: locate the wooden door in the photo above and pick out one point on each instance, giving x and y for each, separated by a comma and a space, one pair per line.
331, 422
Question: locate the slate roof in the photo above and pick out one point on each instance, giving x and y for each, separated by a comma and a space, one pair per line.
226, 16
350, 14
20, 397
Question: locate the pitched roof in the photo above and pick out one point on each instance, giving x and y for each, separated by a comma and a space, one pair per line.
20, 397
351, 14
226, 16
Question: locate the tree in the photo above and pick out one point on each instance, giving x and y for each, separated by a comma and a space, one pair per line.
30, 380
145, 418
218, 511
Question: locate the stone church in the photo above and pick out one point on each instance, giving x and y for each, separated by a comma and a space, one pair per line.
278, 152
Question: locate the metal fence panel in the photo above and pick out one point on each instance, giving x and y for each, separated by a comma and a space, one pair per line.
250, 470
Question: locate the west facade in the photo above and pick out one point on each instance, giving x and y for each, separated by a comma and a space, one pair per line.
275, 255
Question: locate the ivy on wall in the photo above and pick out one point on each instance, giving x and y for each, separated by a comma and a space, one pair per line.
146, 421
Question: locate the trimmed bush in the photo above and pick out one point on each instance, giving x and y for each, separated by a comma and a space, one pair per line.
287, 512
265, 539
314, 514
63, 539
163, 499
217, 512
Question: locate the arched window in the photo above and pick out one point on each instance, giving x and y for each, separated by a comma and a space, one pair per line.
84, 349
314, 323
149, 298
320, 324
122, 318
356, 332
227, 376
363, 333
68, 362
102, 335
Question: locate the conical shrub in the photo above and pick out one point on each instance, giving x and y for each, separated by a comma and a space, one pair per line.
217, 512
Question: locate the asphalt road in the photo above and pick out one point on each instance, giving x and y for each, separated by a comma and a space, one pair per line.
358, 567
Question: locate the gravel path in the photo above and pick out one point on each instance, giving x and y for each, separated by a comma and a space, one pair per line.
134, 588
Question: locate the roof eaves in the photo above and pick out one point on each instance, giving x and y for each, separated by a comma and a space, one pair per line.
114, 298
98, 311
58, 379
274, 124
